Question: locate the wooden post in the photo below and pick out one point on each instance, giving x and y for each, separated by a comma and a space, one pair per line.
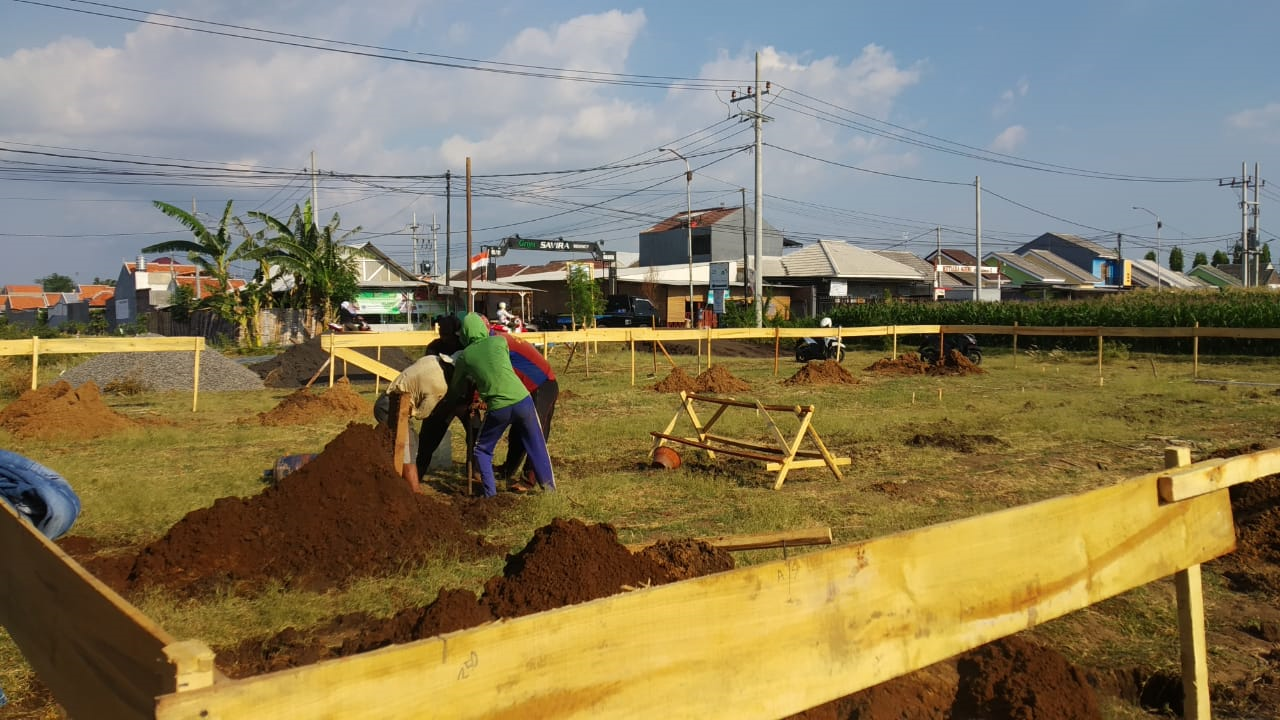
1099, 352
894, 354
1195, 352
1015, 344
195, 372
35, 360
1195, 659
632, 342
777, 342
332, 364
708, 348
377, 379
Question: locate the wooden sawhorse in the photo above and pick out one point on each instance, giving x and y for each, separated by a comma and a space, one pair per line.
782, 457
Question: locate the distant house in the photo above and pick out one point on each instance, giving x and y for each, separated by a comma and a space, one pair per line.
1149, 274
1268, 275
1103, 264
1042, 275
143, 286
26, 310
957, 277
831, 272
719, 234
1214, 276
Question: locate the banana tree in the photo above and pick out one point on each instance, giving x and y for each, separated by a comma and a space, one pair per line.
212, 251
323, 267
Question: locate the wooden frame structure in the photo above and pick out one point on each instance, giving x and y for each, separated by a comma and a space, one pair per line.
783, 456
818, 626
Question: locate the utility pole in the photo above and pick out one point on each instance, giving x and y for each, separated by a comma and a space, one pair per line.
448, 224
745, 293
759, 119
315, 194
435, 255
1258, 182
470, 301
1243, 183
977, 235
413, 238
937, 258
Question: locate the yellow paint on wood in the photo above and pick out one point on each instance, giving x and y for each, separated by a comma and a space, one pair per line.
818, 626
1211, 475
97, 654
364, 362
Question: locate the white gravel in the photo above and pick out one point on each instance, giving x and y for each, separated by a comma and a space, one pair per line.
165, 371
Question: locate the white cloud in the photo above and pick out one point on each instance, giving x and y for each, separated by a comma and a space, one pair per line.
1009, 140
1263, 121
1009, 97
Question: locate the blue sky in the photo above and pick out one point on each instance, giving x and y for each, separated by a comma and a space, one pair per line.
883, 115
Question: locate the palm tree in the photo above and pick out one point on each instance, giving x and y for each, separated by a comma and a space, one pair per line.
212, 252
323, 267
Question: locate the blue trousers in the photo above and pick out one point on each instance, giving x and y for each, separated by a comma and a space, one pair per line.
522, 418
38, 494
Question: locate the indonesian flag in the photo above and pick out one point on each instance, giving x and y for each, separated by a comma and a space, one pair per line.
480, 260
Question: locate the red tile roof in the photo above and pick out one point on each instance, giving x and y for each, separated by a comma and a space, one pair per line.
701, 218
207, 285
101, 298
22, 290
26, 302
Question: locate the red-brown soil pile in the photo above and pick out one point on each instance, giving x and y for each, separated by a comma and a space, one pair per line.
715, 379
303, 406
675, 382
296, 366
955, 363
566, 562
825, 372
344, 515
57, 411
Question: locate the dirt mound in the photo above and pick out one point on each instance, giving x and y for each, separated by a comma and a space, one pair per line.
566, 562
906, 364
675, 382
715, 379
56, 412
825, 372
910, 363
297, 365
944, 435
344, 515
340, 401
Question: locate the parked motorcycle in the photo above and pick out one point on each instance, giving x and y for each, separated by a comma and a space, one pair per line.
827, 348
965, 344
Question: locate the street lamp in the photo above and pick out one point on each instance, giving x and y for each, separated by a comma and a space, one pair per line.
1159, 271
688, 222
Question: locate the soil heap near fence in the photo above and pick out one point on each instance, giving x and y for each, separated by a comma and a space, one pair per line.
715, 379
296, 366
822, 372
344, 515
955, 363
305, 405
58, 412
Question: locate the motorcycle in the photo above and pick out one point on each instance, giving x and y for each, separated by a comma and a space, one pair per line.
827, 348
963, 343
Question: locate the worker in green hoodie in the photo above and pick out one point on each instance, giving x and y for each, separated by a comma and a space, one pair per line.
485, 361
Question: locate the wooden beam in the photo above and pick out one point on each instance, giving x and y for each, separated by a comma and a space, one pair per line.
97, 654
364, 362
759, 541
817, 627
1209, 476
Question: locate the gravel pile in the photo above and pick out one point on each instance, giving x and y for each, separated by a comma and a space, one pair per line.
165, 371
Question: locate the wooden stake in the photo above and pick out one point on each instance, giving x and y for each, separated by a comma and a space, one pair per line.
1195, 659
758, 541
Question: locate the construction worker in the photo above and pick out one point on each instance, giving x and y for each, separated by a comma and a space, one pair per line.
38, 494
485, 360
423, 384
540, 380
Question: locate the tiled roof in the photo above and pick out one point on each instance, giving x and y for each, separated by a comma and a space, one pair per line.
26, 302
701, 218
22, 290
101, 298
208, 285
831, 258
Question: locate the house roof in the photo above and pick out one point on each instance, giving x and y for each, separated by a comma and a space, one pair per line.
88, 291
1046, 268
1216, 276
208, 286
166, 265
831, 258
1067, 239
19, 303
101, 298
701, 218
1146, 272
22, 290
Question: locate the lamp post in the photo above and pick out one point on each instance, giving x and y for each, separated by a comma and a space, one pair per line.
688, 222
1159, 270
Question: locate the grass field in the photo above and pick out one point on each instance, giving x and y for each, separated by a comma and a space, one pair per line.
924, 450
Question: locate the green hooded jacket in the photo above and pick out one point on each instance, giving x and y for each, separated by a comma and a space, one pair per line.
486, 361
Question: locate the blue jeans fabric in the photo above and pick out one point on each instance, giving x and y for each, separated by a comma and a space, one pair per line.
523, 421
38, 494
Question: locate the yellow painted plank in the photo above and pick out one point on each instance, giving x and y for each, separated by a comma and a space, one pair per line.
400, 338
98, 655
759, 541
1211, 475
118, 344
364, 362
767, 640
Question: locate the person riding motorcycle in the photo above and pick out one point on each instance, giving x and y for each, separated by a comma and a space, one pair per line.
820, 348
505, 316
349, 317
